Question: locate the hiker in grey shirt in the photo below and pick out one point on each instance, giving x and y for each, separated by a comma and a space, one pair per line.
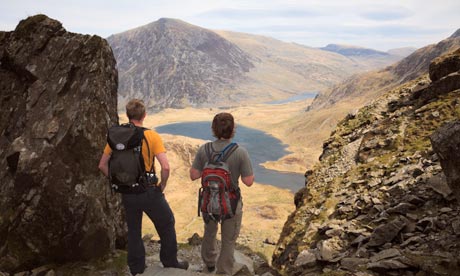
223, 128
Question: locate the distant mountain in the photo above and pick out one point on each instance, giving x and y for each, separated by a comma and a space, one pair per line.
369, 58
366, 86
402, 52
283, 69
170, 63
349, 50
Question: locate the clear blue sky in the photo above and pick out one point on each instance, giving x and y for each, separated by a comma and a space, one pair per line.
377, 24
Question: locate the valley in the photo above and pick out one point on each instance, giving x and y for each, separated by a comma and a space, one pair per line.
266, 207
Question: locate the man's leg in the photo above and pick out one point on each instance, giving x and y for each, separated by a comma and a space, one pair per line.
162, 217
136, 250
209, 245
230, 231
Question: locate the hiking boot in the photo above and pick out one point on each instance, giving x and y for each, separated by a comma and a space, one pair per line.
180, 265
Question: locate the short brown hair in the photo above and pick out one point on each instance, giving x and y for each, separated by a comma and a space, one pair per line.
223, 126
135, 109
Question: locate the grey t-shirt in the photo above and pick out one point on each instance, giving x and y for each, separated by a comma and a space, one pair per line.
238, 162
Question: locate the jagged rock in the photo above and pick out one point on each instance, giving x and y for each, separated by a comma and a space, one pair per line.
427, 224
385, 254
359, 240
329, 249
306, 258
402, 208
353, 264
195, 239
414, 239
435, 90
446, 144
58, 96
386, 232
443, 66
384, 265
438, 184
413, 199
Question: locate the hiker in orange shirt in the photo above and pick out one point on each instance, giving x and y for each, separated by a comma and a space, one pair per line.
151, 200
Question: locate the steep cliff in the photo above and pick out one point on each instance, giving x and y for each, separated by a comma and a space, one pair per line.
170, 63
58, 95
378, 203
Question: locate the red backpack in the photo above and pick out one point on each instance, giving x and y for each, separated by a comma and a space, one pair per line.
218, 196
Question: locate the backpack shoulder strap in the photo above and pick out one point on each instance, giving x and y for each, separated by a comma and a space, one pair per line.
152, 167
227, 151
209, 151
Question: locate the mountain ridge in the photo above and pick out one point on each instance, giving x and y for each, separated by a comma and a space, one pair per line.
368, 85
351, 50
171, 63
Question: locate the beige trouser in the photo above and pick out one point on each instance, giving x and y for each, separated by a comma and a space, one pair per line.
230, 229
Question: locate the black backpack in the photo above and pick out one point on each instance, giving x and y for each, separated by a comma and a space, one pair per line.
218, 196
127, 172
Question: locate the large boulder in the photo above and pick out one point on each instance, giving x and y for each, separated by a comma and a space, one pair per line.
445, 65
58, 94
446, 144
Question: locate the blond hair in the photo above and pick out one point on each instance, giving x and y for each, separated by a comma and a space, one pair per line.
135, 109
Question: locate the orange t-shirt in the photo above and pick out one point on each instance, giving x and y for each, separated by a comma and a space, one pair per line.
155, 144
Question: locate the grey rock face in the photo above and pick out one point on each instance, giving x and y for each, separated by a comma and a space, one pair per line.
386, 232
446, 143
443, 66
170, 63
58, 96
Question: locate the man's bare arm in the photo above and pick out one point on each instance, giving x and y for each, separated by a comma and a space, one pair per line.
104, 164
164, 174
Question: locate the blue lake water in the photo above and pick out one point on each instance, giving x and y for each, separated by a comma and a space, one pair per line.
262, 147
304, 96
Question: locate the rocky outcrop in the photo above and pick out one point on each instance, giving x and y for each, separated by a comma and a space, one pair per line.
379, 203
443, 66
170, 63
58, 95
446, 144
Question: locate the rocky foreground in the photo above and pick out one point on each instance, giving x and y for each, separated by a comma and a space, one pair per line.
381, 201
58, 95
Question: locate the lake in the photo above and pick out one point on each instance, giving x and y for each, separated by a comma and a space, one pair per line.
303, 96
261, 146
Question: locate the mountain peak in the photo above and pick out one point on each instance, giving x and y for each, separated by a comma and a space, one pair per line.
456, 34
168, 52
166, 20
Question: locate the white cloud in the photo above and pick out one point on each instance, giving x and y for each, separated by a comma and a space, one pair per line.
377, 24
